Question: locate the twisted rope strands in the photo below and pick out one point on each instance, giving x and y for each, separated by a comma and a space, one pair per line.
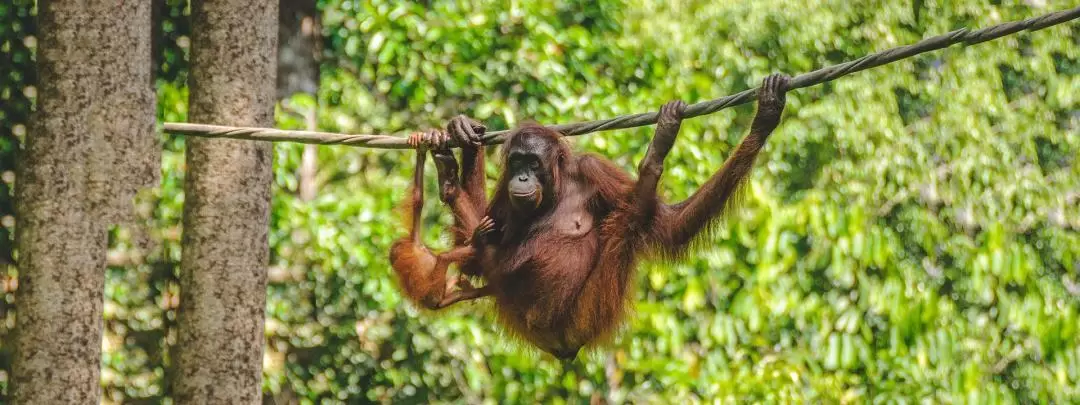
963, 35
282, 135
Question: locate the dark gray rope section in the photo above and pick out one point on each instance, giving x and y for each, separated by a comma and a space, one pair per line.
963, 35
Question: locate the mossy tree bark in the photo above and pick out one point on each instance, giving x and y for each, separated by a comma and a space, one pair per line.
90, 147
227, 205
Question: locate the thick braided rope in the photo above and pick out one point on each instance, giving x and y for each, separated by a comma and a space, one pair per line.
819, 76
281, 135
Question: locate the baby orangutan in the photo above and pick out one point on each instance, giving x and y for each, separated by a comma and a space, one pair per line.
421, 273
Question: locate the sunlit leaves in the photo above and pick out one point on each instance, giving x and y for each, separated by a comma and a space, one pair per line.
909, 234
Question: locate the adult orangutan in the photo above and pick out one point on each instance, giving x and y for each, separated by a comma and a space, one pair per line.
569, 228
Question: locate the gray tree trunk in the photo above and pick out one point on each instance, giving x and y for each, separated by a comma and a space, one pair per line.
227, 205
90, 146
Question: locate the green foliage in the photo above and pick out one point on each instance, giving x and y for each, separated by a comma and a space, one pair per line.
910, 233
17, 91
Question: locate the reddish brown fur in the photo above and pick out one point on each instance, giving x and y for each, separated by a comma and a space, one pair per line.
560, 274
561, 291
465, 195
421, 274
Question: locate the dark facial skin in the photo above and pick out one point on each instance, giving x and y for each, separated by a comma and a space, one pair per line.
526, 172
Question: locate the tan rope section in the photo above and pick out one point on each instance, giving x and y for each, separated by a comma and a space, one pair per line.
963, 35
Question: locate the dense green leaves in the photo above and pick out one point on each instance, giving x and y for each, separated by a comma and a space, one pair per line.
17, 90
909, 234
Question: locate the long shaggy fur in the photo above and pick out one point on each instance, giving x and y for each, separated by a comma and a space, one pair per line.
561, 273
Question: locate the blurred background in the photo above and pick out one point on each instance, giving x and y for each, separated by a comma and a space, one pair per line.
910, 233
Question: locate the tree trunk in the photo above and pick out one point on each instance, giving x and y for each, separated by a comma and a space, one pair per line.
227, 208
90, 146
